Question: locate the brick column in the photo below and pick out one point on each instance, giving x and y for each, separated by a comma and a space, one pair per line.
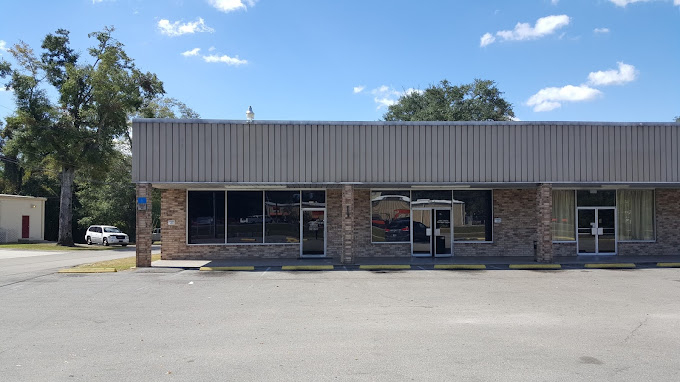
544, 250
143, 243
347, 213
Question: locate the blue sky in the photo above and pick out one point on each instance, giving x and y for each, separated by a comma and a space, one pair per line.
582, 60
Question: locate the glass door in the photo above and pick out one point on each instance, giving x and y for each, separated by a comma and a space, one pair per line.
606, 225
442, 232
421, 229
313, 233
596, 231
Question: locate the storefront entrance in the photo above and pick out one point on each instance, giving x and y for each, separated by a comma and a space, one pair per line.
596, 230
313, 232
431, 232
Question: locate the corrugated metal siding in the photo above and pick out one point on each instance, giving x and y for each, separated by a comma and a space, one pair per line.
167, 151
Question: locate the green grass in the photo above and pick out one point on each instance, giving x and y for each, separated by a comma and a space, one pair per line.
120, 264
55, 247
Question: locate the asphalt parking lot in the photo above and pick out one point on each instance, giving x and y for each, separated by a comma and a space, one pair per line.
158, 325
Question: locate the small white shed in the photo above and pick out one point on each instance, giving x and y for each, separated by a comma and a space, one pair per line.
22, 218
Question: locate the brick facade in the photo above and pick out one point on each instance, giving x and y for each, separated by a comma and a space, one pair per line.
144, 228
349, 239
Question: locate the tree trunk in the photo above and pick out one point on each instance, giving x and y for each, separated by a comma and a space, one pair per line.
66, 207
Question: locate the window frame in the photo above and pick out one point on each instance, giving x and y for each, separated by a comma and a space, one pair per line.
226, 204
653, 217
575, 217
434, 188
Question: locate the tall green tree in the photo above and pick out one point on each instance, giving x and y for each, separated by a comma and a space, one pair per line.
75, 132
478, 101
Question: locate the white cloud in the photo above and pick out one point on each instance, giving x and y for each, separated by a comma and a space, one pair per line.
359, 89
212, 48
232, 5
193, 52
486, 39
386, 96
232, 61
554, 2
523, 31
551, 98
626, 73
177, 28
623, 3
603, 30
3, 46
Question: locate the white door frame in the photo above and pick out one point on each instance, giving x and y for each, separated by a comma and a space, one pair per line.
302, 232
433, 225
597, 237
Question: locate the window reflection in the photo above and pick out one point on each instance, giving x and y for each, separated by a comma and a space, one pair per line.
245, 217
206, 217
391, 216
314, 199
472, 215
282, 223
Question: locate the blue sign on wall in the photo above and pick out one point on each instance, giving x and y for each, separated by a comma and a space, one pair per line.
141, 200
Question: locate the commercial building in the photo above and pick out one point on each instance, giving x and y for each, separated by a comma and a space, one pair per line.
354, 190
22, 218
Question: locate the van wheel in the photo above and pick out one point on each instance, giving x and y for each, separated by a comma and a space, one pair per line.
89, 241
105, 241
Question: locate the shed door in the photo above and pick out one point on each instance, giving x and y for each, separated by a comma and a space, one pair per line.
25, 227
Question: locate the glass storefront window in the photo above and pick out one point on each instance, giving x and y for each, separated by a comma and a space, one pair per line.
563, 222
596, 198
636, 215
245, 217
282, 217
435, 198
472, 215
206, 217
314, 199
391, 216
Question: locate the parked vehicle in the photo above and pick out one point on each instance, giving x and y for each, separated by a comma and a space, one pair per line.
400, 230
106, 235
156, 235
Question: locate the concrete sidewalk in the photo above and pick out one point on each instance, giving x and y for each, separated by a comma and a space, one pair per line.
572, 262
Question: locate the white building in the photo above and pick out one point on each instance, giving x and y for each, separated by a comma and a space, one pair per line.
22, 218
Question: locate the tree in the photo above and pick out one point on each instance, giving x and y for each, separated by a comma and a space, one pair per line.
478, 101
76, 131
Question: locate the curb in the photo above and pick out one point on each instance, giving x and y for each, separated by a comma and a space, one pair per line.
535, 266
668, 265
384, 267
610, 266
87, 270
243, 268
307, 268
460, 266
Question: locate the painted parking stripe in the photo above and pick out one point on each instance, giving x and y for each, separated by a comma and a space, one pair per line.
307, 268
610, 266
241, 268
87, 270
668, 265
384, 267
535, 266
460, 266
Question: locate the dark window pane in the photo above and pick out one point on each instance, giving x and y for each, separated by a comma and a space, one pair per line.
472, 218
244, 217
596, 198
206, 217
391, 216
314, 199
282, 217
435, 198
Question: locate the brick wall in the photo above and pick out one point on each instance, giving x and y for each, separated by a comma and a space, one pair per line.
144, 227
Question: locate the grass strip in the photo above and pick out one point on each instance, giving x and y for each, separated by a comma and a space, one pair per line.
87, 270
55, 247
118, 264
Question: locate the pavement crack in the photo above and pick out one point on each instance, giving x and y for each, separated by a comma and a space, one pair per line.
632, 332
